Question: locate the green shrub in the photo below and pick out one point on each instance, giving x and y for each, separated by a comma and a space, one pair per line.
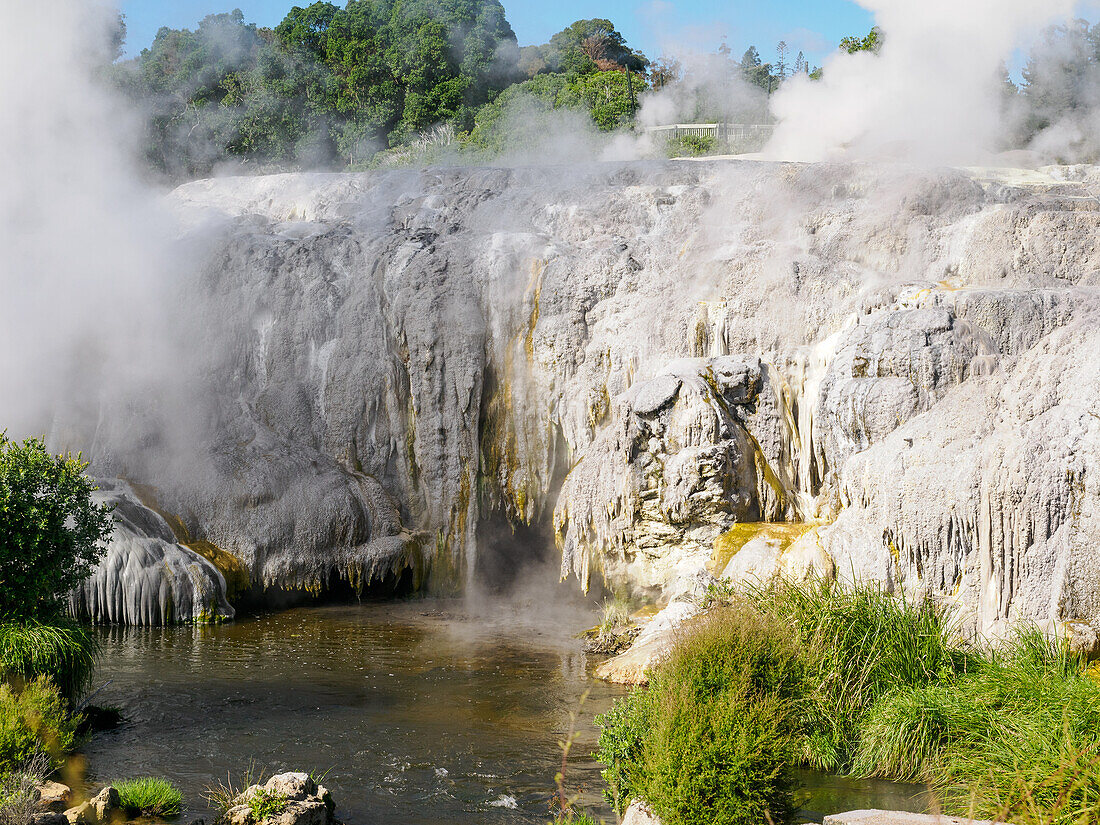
692, 146
51, 532
621, 747
34, 721
149, 796
725, 762
861, 683
63, 650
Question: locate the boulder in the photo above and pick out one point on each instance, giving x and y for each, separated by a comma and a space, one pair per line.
49, 818
107, 805
300, 801
632, 666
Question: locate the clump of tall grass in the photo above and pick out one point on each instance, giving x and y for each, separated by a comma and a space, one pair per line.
710, 739
62, 650
858, 646
863, 683
149, 796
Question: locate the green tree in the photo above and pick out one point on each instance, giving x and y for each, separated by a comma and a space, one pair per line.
588, 46
871, 42
51, 532
755, 71
610, 97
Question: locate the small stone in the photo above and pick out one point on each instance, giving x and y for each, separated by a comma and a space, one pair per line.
82, 814
54, 796
105, 804
239, 815
638, 813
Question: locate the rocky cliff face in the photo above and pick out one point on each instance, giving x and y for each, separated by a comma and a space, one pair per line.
647, 361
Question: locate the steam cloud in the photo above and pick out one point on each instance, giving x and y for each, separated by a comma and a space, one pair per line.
82, 276
930, 96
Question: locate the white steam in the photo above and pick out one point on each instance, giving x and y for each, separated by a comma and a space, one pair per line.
81, 275
931, 95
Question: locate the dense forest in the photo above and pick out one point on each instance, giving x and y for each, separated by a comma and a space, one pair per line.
333, 87
378, 80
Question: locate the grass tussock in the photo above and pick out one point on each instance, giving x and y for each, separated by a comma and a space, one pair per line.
62, 650
222, 795
860, 683
149, 796
710, 739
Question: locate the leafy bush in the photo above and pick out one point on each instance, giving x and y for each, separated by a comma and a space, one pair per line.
33, 721
692, 146
149, 796
63, 650
51, 532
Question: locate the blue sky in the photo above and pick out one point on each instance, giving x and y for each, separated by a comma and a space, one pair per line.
814, 26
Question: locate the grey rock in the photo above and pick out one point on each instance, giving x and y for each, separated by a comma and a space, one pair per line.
655, 394
305, 802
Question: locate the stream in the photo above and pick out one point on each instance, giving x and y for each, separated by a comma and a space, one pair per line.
416, 712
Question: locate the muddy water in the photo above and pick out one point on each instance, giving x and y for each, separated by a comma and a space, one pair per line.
418, 711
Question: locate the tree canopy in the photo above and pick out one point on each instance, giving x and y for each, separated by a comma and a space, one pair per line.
333, 87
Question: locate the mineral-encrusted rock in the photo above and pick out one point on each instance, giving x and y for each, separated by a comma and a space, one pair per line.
632, 666
146, 577
377, 362
288, 798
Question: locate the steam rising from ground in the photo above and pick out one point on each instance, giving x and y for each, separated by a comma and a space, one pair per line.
932, 95
82, 269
